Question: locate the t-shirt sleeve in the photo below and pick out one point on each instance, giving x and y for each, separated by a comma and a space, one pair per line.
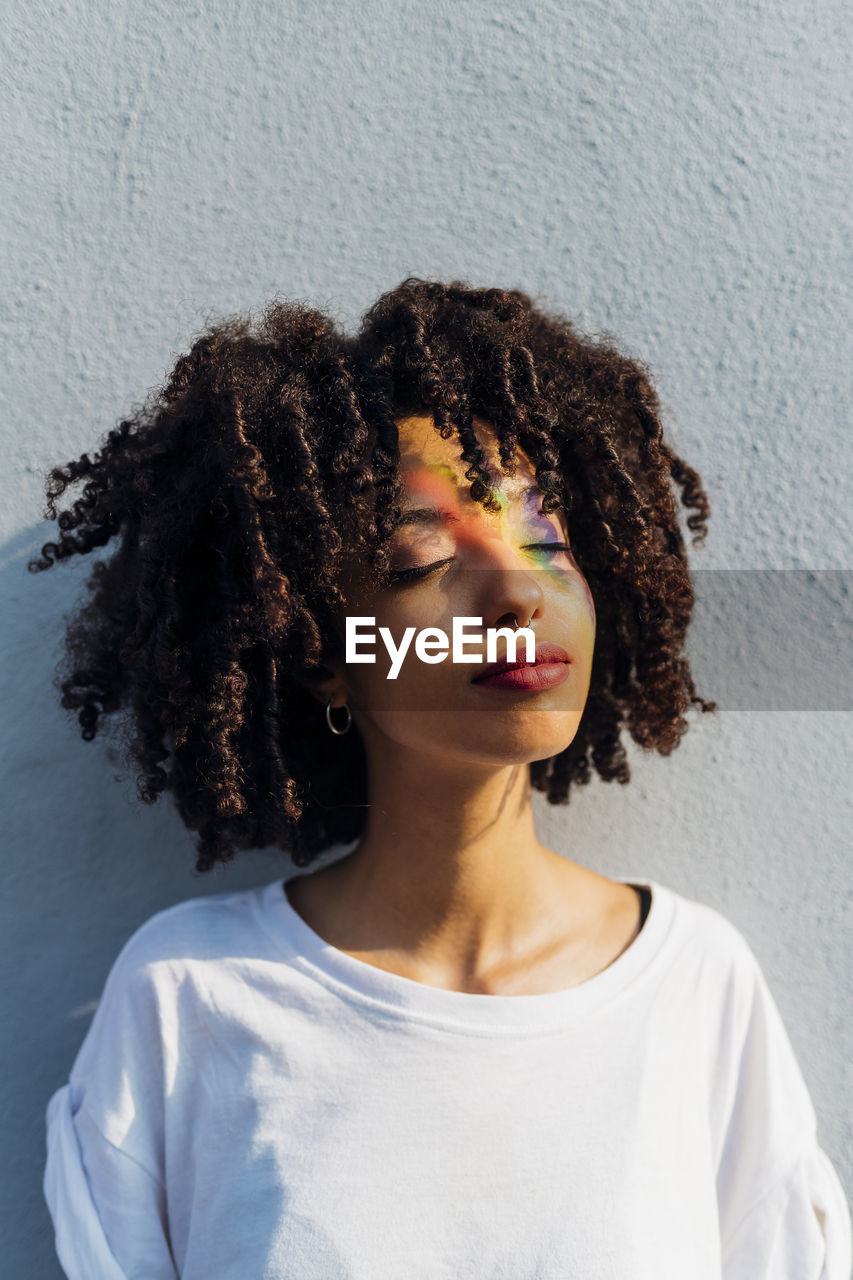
108, 1211
783, 1213
798, 1230
104, 1176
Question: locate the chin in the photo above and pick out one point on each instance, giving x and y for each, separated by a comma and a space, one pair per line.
504, 740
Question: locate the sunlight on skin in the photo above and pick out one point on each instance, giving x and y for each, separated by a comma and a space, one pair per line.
437, 486
487, 565
449, 883
449, 874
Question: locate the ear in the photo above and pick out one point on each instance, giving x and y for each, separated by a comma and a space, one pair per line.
323, 681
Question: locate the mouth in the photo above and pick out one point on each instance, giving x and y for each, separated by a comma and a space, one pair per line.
550, 666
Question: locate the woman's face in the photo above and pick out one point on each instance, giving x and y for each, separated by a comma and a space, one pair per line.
480, 564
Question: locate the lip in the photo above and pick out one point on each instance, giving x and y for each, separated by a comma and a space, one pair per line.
529, 679
549, 668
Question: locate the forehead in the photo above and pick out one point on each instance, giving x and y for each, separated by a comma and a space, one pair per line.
425, 456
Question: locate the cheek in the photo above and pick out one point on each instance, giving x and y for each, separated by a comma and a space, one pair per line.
578, 599
396, 652
584, 627
581, 594
590, 603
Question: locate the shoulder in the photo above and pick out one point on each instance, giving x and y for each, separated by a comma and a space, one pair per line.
201, 928
755, 1067
172, 951
712, 962
163, 973
705, 935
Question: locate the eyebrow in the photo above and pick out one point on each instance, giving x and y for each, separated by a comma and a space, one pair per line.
431, 515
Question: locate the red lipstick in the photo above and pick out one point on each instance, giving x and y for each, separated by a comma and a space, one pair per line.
549, 668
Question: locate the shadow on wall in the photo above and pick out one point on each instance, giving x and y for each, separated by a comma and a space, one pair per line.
85, 863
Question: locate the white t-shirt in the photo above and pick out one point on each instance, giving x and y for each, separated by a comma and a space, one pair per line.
251, 1102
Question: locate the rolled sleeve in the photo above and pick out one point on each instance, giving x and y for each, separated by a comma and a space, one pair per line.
798, 1230
120, 1233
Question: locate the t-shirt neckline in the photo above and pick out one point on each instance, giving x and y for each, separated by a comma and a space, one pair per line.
395, 995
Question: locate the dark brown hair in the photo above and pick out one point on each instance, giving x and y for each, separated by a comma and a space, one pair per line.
234, 491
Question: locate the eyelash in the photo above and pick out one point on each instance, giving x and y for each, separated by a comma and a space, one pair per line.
421, 571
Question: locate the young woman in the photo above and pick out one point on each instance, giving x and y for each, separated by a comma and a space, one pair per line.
447, 1051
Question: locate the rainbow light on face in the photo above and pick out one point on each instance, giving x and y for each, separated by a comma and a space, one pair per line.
436, 484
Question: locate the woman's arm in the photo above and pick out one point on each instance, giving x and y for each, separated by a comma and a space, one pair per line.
783, 1212
798, 1230
108, 1211
104, 1178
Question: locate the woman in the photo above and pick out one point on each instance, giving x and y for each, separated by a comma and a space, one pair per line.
448, 1051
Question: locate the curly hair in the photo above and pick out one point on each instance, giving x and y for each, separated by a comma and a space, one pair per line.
236, 489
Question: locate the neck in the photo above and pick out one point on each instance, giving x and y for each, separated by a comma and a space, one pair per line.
449, 863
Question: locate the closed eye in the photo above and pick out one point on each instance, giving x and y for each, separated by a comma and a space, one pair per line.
548, 546
421, 571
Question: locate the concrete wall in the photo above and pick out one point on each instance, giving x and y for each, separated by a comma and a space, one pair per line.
672, 173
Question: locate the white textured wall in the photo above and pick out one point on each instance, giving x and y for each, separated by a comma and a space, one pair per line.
673, 173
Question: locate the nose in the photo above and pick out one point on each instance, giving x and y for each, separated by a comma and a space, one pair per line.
507, 592
513, 606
